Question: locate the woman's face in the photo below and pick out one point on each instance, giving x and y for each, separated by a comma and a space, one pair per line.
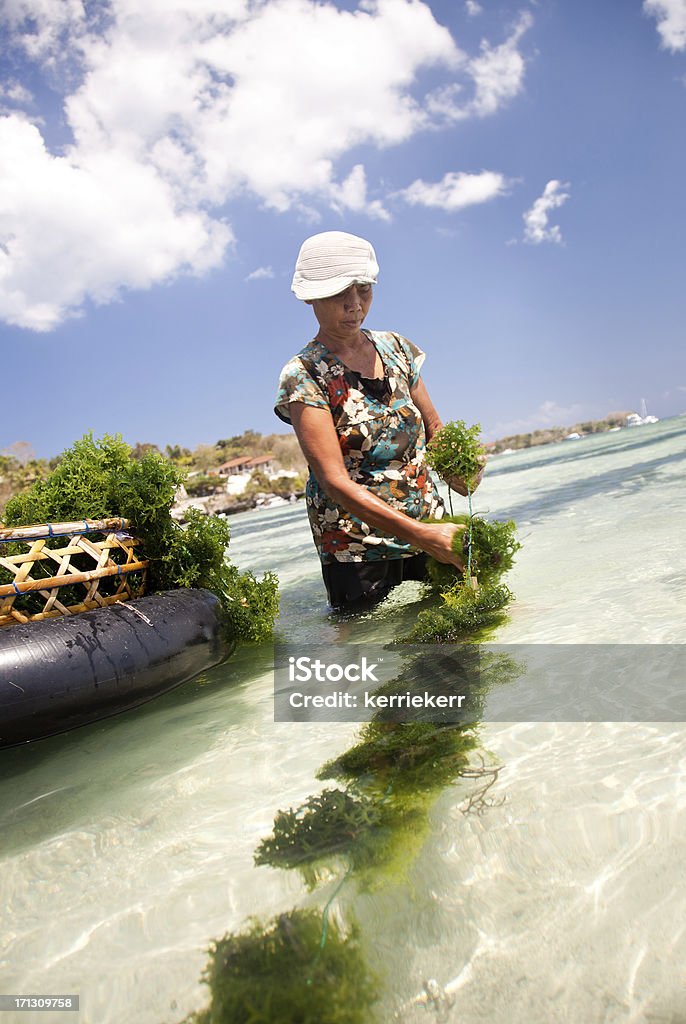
341, 316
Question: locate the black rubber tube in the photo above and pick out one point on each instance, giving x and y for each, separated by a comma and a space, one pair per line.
58, 674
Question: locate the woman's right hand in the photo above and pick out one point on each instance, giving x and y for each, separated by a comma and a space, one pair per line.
437, 541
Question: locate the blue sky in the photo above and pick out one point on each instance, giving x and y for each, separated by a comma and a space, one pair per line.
519, 168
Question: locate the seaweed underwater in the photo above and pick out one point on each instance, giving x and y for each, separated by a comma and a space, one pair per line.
303, 966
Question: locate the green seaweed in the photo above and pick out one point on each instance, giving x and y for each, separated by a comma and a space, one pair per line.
335, 822
405, 758
282, 973
466, 614
456, 451
98, 479
369, 833
493, 549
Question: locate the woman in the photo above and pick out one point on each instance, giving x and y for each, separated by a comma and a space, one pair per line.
362, 415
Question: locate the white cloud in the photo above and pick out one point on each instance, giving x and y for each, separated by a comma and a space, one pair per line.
671, 22
473, 8
70, 232
351, 194
44, 27
536, 226
455, 190
178, 106
16, 93
498, 72
261, 274
497, 76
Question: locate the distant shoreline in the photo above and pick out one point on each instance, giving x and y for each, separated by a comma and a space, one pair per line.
549, 435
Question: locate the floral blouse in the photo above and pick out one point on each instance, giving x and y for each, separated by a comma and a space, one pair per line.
382, 439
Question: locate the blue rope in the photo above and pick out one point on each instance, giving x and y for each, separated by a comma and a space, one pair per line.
469, 538
325, 912
325, 921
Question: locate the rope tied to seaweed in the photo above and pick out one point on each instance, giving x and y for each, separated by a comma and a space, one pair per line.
325, 912
469, 535
325, 921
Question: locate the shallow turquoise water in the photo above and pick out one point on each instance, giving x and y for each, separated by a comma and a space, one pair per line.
127, 846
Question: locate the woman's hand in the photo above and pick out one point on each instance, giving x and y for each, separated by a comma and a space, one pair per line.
437, 541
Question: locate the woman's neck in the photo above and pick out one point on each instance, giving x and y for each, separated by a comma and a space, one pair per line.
339, 345
358, 354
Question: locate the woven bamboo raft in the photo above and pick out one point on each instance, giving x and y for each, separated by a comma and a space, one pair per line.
55, 569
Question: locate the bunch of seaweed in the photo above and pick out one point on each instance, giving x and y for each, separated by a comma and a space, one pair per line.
298, 969
472, 601
466, 614
455, 451
334, 823
281, 973
473, 598
404, 758
99, 479
493, 547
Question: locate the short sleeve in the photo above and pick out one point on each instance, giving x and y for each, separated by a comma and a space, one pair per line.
297, 385
415, 358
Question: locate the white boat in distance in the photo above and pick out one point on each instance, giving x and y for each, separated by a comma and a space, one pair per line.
634, 420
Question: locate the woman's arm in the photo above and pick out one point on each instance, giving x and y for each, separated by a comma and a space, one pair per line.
432, 423
420, 397
319, 442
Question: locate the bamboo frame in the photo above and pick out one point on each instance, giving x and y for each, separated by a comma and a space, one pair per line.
82, 561
83, 526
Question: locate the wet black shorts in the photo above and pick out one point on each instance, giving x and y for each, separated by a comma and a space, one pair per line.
351, 583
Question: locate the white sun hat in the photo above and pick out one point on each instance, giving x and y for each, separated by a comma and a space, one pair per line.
330, 262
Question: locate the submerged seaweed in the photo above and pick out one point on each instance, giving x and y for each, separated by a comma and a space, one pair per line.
334, 822
466, 614
410, 758
282, 973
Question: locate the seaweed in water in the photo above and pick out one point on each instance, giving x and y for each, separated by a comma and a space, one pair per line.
466, 614
493, 549
409, 757
333, 822
283, 973
470, 609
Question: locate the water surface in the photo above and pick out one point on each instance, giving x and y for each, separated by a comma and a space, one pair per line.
128, 846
